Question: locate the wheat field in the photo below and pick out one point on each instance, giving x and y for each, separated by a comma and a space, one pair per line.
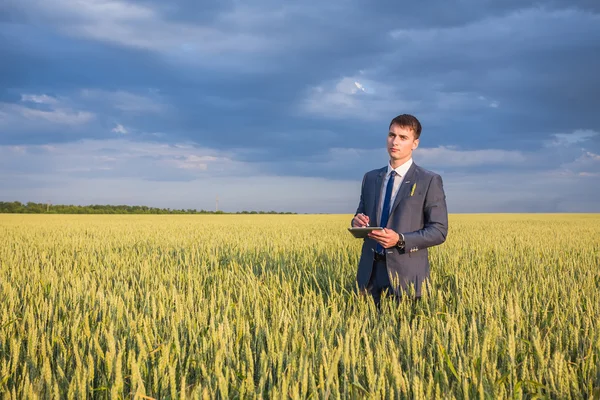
264, 306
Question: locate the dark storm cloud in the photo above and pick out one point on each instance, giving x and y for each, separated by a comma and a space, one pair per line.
273, 84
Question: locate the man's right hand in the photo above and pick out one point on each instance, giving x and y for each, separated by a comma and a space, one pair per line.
360, 220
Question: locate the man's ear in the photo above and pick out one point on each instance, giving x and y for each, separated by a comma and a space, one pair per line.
415, 144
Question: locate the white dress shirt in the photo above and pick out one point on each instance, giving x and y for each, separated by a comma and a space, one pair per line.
401, 171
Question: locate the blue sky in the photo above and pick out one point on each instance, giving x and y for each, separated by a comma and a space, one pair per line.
170, 104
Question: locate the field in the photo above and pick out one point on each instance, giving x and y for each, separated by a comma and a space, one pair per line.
264, 306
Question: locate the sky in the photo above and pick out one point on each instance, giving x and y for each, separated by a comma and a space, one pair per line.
284, 106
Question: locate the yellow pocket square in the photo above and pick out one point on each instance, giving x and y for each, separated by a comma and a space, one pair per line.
414, 186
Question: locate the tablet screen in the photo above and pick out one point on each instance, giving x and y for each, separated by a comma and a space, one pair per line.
364, 231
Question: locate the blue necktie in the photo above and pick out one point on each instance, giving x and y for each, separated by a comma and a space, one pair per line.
385, 211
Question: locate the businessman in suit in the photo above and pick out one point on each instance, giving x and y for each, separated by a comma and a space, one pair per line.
410, 203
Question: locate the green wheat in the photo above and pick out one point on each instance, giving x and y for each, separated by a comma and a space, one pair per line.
265, 307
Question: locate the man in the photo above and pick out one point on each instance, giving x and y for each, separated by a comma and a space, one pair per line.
410, 203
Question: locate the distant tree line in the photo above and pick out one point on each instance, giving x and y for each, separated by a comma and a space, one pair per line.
16, 207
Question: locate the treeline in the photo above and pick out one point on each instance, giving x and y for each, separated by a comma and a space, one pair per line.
17, 207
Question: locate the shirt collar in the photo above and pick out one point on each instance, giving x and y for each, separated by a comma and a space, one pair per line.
402, 169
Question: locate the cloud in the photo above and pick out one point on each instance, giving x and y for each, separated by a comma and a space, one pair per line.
443, 157
126, 171
341, 99
373, 100
592, 156
119, 129
277, 89
63, 117
534, 26
297, 194
39, 98
353, 162
122, 157
522, 191
87, 113
575, 137
17, 115
590, 174
359, 86
97, 177
449, 157
119, 171
143, 26
587, 164
128, 102
194, 162
491, 103
527, 63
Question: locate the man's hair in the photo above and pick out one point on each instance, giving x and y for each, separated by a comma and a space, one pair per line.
408, 121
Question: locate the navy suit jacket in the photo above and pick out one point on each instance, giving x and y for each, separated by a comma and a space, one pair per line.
422, 217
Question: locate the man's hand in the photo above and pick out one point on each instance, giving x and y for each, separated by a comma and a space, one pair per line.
360, 221
386, 238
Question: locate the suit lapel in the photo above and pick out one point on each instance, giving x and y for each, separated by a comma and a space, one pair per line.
407, 183
378, 183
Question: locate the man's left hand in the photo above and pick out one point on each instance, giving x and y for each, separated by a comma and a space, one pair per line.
386, 238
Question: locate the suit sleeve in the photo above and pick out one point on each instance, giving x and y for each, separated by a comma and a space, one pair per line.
435, 213
361, 203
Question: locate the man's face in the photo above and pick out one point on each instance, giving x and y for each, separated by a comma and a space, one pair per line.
400, 144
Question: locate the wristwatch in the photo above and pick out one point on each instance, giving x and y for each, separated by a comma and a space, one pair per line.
400, 243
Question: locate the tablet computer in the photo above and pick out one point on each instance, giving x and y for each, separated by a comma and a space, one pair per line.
362, 233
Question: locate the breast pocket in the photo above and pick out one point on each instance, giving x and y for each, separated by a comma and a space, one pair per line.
413, 207
415, 199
